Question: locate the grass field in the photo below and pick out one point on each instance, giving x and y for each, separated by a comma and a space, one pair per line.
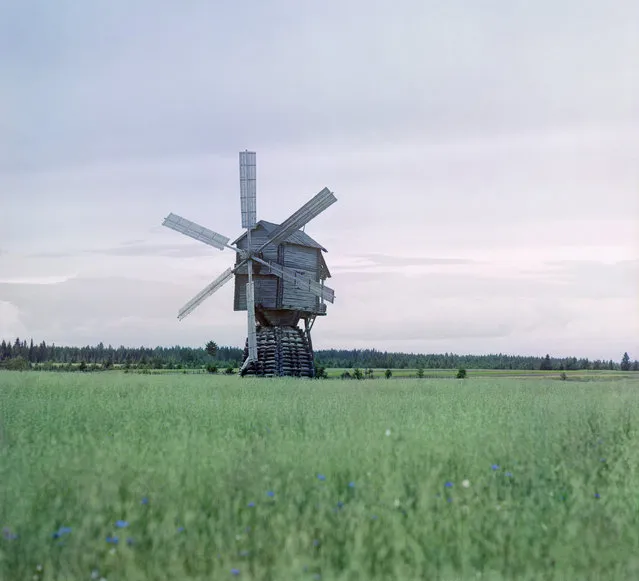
214, 477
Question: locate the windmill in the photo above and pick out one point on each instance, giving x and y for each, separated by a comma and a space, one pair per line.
279, 279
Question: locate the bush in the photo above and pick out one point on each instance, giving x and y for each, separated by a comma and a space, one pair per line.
388, 374
461, 373
357, 373
346, 375
15, 364
320, 372
563, 376
229, 370
420, 372
211, 368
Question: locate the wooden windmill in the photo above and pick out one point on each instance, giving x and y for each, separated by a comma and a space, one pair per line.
279, 280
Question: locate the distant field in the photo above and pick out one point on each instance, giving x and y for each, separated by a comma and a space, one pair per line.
215, 477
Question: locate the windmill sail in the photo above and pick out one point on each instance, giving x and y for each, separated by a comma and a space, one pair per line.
252, 334
247, 189
305, 214
206, 292
195, 231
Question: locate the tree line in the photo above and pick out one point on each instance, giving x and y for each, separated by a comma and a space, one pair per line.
177, 357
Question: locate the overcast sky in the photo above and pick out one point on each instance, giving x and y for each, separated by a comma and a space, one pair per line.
485, 157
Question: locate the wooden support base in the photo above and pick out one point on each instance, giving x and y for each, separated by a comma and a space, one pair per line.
281, 352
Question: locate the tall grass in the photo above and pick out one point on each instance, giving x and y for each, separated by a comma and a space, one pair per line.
221, 478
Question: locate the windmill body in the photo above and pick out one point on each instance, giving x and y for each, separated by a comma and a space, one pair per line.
279, 276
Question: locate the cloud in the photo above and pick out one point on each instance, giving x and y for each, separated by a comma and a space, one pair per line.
11, 325
375, 260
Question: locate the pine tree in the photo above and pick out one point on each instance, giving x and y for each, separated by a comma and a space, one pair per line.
625, 362
546, 364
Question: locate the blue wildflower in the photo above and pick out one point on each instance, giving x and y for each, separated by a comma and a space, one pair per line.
321, 477
374, 517
509, 474
449, 499
316, 543
602, 460
130, 541
112, 540
145, 500
495, 466
235, 571
317, 577
351, 485
121, 524
251, 504
180, 529
270, 493
244, 553
449, 484
597, 495
8, 535
61, 531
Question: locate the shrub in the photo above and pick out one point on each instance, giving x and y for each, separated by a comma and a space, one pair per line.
357, 373
320, 372
211, 368
15, 364
388, 374
346, 375
420, 372
461, 373
229, 370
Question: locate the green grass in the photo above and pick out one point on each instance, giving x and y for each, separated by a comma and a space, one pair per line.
82, 450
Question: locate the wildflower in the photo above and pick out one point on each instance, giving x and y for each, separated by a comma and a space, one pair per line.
340, 504
180, 529
602, 460
317, 577
244, 553
235, 572
597, 495
509, 474
465, 483
130, 541
351, 485
8, 535
321, 477
388, 432
316, 543
495, 466
449, 484
61, 531
374, 517
251, 504
270, 493
112, 540
121, 524
145, 500
449, 499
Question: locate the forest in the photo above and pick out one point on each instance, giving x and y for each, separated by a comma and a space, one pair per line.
48, 356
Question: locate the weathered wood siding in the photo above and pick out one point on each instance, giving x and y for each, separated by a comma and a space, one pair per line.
303, 260
259, 237
265, 291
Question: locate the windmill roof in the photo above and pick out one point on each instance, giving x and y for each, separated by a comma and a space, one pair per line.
297, 237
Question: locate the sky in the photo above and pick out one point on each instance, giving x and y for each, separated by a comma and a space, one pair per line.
484, 155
